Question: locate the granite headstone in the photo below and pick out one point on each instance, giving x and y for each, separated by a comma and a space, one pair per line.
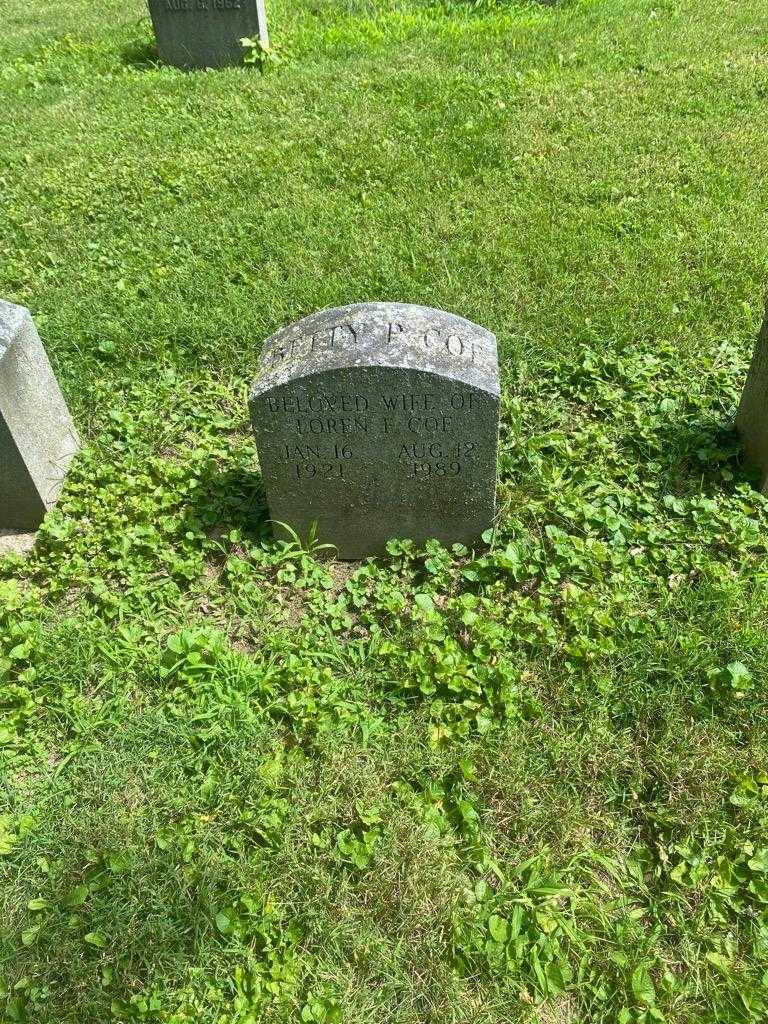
206, 33
752, 415
37, 436
379, 421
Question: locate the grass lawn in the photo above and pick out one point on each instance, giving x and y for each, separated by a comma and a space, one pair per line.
527, 783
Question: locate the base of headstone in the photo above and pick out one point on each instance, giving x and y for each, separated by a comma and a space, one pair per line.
37, 436
752, 415
14, 543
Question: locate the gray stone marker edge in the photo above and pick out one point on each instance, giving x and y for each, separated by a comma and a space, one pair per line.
41, 451
752, 412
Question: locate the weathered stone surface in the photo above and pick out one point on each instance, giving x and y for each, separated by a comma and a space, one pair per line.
376, 421
37, 437
205, 33
14, 543
752, 415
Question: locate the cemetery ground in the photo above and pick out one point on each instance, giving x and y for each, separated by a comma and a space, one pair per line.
243, 782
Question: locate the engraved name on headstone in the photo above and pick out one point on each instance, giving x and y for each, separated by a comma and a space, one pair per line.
752, 415
206, 33
378, 421
37, 436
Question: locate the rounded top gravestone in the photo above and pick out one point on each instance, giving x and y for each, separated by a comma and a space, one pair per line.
378, 421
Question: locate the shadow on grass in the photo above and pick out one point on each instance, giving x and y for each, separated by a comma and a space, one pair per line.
141, 54
704, 456
233, 499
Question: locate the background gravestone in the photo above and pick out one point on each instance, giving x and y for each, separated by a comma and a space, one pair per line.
379, 420
752, 416
37, 436
206, 33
